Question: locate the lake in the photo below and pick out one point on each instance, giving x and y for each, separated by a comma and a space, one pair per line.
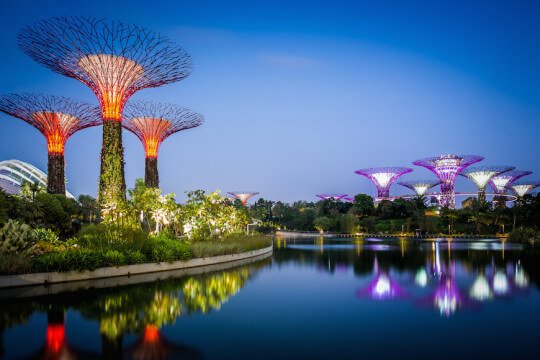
315, 298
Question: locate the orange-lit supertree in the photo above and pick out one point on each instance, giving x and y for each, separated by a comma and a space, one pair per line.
115, 60
57, 118
152, 123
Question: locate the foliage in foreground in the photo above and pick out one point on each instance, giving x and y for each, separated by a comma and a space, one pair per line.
230, 246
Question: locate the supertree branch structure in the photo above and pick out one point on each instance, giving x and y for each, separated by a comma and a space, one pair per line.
521, 188
481, 175
57, 118
243, 196
383, 178
420, 187
152, 123
447, 168
334, 197
501, 182
114, 60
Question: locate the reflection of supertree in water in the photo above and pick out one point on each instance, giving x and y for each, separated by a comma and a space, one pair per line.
480, 289
382, 287
57, 118
447, 168
152, 123
383, 178
114, 60
447, 297
481, 175
243, 196
420, 187
334, 197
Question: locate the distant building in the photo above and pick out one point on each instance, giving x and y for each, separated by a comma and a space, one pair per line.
13, 173
468, 203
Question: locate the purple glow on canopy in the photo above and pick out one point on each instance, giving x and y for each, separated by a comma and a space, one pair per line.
447, 297
481, 175
335, 197
383, 178
382, 287
348, 199
420, 187
501, 182
447, 167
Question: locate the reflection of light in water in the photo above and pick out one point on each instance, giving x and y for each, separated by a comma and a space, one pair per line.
55, 338
437, 259
382, 287
480, 289
500, 283
520, 278
421, 278
447, 298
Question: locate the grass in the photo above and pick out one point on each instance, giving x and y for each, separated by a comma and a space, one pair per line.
231, 245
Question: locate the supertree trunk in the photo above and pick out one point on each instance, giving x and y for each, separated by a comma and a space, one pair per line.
56, 182
151, 176
482, 195
112, 182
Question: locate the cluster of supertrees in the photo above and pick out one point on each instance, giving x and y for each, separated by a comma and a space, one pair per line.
114, 60
447, 167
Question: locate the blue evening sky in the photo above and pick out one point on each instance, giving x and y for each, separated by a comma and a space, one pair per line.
299, 94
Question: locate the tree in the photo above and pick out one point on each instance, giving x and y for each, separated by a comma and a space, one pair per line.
322, 223
363, 205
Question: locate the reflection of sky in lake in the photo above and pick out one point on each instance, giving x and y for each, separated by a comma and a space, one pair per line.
317, 299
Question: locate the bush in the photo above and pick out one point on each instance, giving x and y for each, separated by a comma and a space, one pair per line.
111, 237
231, 245
166, 251
115, 258
15, 264
134, 257
16, 237
80, 260
524, 235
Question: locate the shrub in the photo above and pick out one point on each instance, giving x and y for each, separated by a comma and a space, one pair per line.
111, 237
16, 237
114, 258
524, 235
166, 251
134, 257
45, 235
80, 260
15, 264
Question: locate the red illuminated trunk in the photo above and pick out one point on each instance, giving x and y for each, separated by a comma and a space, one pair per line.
56, 181
151, 176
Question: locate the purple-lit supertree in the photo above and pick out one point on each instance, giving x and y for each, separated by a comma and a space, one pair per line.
481, 175
522, 188
500, 183
334, 197
383, 178
115, 60
420, 187
152, 123
243, 196
447, 168
57, 118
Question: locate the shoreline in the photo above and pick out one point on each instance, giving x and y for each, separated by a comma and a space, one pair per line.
281, 233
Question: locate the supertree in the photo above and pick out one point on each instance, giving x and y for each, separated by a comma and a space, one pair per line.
501, 182
447, 168
521, 188
420, 187
57, 118
243, 196
383, 178
115, 60
335, 197
152, 123
481, 175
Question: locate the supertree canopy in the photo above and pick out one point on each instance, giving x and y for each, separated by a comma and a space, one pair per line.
420, 187
243, 196
383, 178
115, 60
335, 197
521, 188
152, 123
447, 167
481, 175
57, 118
501, 182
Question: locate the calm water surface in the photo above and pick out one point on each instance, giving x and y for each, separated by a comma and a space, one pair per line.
315, 299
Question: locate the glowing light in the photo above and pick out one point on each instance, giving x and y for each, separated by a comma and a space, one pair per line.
56, 127
152, 131
383, 178
500, 283
447, 297
55, 337
151, 334
480, 289
382, 287
523, 188
334, 197
447, 167
520, 278
421, 278
501, 182
420, 187
243, 196
113, 81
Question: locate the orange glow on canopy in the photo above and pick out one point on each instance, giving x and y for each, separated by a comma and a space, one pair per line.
114, 79
56, 127
152, 133
151, 334
55, 337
